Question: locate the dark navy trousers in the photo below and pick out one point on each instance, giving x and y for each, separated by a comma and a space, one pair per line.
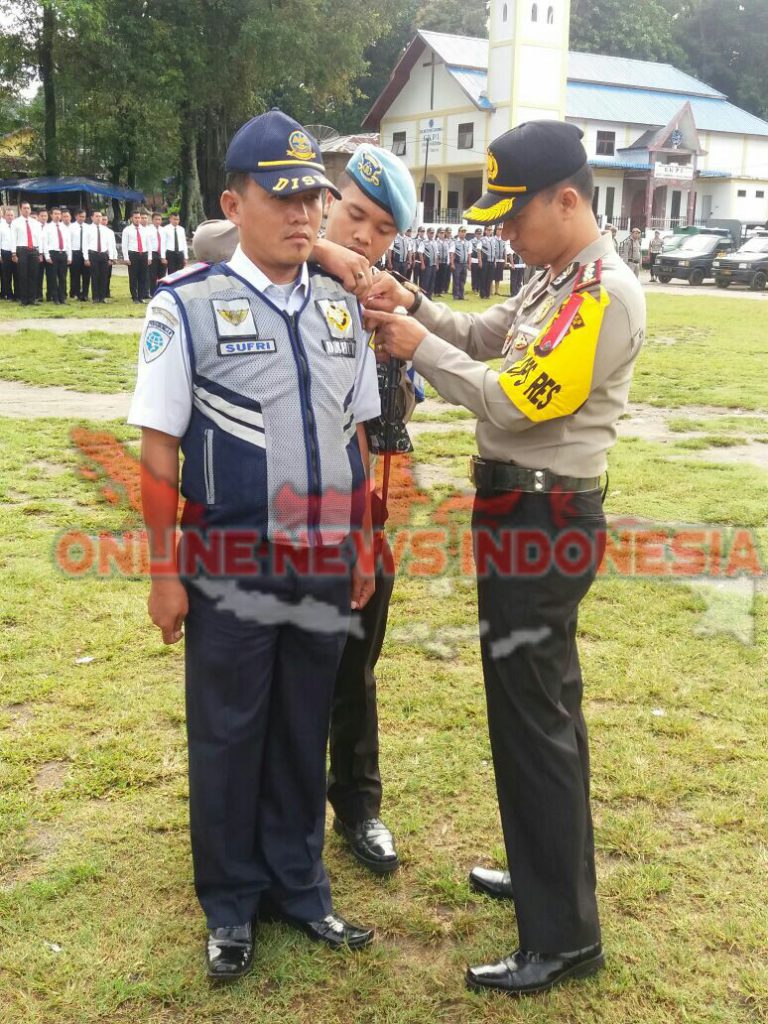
261, 660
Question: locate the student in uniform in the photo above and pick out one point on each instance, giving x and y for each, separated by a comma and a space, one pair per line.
80, 274
157, 260
175, 244
486, 251
459, 258
546, 420
228, 354
475, 260
57, 253
500, 260
102, 251
135, 244
418, 255
42, 219
26, 239
7, 266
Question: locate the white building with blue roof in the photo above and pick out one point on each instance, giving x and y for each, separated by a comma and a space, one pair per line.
666, 149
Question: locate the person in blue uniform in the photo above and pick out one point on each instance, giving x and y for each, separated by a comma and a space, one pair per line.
259, 371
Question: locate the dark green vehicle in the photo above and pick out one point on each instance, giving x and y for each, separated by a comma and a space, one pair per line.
747, 266
692, 260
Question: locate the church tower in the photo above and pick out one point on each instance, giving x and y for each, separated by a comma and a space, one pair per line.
527, 61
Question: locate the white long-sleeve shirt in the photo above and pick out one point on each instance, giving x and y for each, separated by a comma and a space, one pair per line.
156, 240
132, 233
174, 235
53, 243
19, 232
5, 235
102, 240
75, 231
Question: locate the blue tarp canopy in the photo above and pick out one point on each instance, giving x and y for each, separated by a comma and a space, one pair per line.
44, 186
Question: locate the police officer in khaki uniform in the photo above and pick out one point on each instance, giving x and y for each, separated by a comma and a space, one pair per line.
547, 418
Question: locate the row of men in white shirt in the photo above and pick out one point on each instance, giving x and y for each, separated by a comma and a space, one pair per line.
33, 245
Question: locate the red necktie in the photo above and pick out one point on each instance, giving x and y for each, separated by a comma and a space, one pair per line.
157, 232
98, 238
138, 240
61, 240
30, 243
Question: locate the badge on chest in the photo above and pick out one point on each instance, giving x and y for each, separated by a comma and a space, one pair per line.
234, 318
340, 326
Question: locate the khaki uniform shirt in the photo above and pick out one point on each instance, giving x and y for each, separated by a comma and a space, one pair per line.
568, 348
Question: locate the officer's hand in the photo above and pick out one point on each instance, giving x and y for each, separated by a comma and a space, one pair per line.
388, 294
168, 606
397, 335
363, 587
350, 267
14, 258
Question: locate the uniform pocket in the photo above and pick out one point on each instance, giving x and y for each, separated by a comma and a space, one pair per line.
208, 468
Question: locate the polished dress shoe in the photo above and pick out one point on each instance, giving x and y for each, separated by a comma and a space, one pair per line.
229, 952
491, 882
526, 973
333, 930
371, 843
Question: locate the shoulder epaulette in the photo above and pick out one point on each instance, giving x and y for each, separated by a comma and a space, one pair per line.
589, 276
316, 270
189, 271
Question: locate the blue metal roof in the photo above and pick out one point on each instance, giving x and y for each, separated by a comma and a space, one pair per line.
474, 83
638, 74
649, 107
618, 165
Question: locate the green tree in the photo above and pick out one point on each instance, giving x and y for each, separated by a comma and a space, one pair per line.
643, 29
457, 17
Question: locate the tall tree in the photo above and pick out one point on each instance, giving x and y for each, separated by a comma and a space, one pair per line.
643, 29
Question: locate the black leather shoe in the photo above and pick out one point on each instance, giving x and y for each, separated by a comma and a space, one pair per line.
526, 973
229, 952
334, 931
371, 843
491, 882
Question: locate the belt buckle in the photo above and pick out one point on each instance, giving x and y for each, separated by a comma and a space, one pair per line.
538, 479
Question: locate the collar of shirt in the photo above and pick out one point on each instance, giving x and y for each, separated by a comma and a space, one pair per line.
601, 246
259, 280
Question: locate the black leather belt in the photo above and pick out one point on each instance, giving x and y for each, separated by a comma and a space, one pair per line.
488, 475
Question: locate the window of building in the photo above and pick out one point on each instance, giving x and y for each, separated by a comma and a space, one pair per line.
742, 193
610, 199
550, 15
398, 143
760, 194
467, 135
606, 143
504, 13
535, 12
595, 199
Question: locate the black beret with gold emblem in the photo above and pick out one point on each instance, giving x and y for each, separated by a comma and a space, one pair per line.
524, 161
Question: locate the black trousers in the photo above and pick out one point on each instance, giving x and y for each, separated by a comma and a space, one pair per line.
56, 277
156, 271
354, 781
516, 279
176, 261
8, 274
79, 277
475, 276
258, 698
428, 276
29, 268
138, 275
459, 279
528, 601
40, 279
487, 272
99, 275
417, 273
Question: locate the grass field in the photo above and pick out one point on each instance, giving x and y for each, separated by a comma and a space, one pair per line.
98, 921
119, 305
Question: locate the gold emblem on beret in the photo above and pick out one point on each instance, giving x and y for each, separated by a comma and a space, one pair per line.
300, 148
493, 167
370, 168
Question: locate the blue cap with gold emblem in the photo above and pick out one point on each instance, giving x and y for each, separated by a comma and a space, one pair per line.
279, 155
385, 180
524, 161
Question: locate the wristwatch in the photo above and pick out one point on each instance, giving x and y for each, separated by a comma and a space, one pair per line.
409, 287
